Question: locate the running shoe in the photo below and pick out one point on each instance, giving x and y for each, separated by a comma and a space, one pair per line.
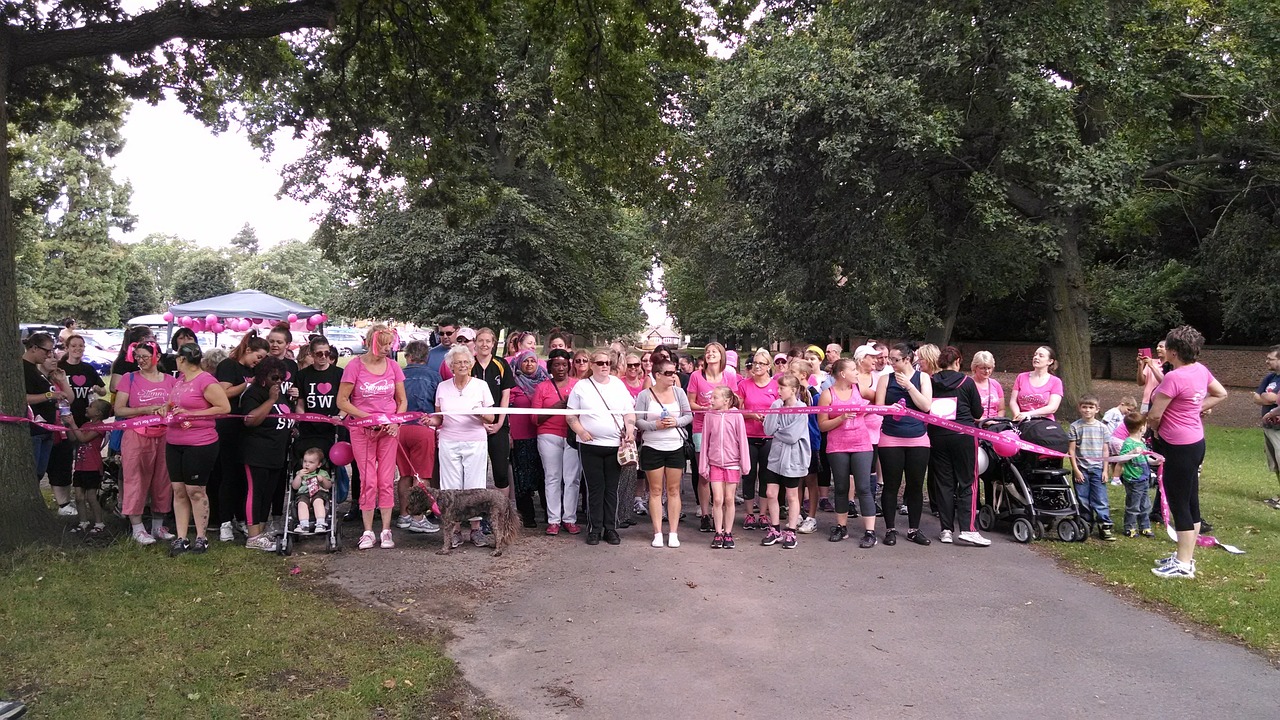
638, 507
717, 542
973, 537
1131, 533
825, 505
1107, 533
673, 540
455, 542
902, 509
323, 527
789, 539
838, 533
200, 546
226, 533
162, 533
868, 540
68, 510
387, 542
728, 541
142, 537
571, 528
771, 536
945, 537
657, 541
1147, 533
404, 521
1170, 559
368, 540
918, 537
479, 538
706, 524
808, 525
891, 537
553, 529
264, 542
179, 546
749, 523
423, 525
1176, 569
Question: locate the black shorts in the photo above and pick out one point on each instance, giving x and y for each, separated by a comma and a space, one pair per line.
87, 479
191, 464
61, 459
791, 483
655, 459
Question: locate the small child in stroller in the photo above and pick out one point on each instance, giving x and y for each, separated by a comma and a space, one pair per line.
311, 487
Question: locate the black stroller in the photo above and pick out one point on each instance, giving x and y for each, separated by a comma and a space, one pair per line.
292, 532
1032, 492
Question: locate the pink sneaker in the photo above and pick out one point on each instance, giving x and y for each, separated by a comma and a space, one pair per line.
553, 529
367, 540
571, 528
387, 542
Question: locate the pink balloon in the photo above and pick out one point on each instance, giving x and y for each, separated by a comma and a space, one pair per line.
218, 327
185, 321
168, 317
324, 318
1007, 445
292, 318
210, 319
341, 454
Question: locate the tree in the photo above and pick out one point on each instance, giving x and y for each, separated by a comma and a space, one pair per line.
245, 241
295, 270
204, 274
140, 296
161, 256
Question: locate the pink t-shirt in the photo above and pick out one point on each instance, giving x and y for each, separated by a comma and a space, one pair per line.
142, 392
992, 398
1031, 397
635, 391
851, 435
522, 426
187, 396
449, 399
373, 393
546, 396
1149, 385
700, 391
757, 399
1186, 387
89, 455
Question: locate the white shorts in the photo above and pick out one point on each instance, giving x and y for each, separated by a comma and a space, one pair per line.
463, 465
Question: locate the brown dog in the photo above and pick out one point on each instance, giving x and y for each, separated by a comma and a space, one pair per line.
459, 506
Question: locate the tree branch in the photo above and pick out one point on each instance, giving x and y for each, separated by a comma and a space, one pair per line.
150, 29
1175, 164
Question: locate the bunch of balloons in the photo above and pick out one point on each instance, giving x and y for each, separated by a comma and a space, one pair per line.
211, 323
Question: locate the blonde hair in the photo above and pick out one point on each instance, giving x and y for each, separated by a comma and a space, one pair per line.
791, 381
375, 332
984, 358
928, 355
797, 363
725, 392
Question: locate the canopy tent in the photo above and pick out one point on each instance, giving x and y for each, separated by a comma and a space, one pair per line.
148, 320
245, 304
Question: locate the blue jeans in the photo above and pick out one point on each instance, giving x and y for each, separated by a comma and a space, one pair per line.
42, 445
1093, 496
1137, 502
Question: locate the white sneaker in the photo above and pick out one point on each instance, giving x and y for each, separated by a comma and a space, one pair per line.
809, 525
262, 542
68, 510
945, 537
423, 526
322, 526
162, 533
639, 507
738, 499
143, 537
303, 528
672, 540
243, 527
973, 537
1176, 569
657, 540
387, 541
368, 540
226, 533
404, 521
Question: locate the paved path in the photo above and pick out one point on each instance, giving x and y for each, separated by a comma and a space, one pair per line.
902, 632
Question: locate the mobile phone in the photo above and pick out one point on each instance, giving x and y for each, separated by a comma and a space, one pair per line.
1144, 352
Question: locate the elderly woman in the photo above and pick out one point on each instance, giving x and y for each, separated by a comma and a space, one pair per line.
560, 467
417, 456
462, 443
989, 391
601, 431
526, 464
191, 446
142, 458
372, 384
1187, 393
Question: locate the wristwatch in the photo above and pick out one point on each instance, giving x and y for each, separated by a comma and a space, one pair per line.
48, 395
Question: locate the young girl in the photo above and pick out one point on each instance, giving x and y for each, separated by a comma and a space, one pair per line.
311, 490
86, 477
788, 462
725, 457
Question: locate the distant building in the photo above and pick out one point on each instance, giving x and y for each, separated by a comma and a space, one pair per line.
660, 335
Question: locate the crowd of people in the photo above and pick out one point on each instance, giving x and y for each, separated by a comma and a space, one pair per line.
599, 438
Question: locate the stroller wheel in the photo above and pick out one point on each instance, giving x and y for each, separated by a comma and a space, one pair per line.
1067, 530
1022, 530
285, 545
986, 518
1082, 529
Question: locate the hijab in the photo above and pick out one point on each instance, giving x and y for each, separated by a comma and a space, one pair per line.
529, 383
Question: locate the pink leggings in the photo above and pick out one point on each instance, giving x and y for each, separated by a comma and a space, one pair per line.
145, 473
376, 457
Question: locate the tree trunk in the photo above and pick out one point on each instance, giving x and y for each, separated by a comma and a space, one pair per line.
1068, 315
940, 335
25, 519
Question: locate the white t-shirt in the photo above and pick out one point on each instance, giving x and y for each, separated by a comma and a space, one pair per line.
668, 439
463, 428
603, 427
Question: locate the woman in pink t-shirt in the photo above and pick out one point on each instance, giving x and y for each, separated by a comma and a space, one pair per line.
1037, 393
372, 384
989, 391
848, 449
144, 392
191, 449
757, 391
1187, 393
561, 468
1151, 374
701, 383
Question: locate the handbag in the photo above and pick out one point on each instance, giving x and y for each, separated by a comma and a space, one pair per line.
628, 454
570, 437
686, 434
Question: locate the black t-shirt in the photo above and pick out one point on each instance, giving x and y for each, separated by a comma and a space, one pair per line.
318, 392
497, 375
83, 379
169, 364
264, 445
290, 376
38, 384
123, 367
231, 371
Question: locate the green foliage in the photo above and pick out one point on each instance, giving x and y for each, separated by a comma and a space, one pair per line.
161, 256
202, 274
140, 296
245, 241
1239, 261
1136, 300
294, 270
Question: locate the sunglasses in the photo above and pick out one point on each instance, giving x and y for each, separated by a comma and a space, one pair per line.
581, 361
447, 333
668, 373
779, 362
601, 363
466, 340
633, 365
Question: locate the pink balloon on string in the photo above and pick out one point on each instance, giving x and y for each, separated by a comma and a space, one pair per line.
168, 317
210, 319
293, 318
185, 321
1007, 445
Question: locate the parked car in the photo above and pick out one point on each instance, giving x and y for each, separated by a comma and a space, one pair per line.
26, 330
107, 340
346, 342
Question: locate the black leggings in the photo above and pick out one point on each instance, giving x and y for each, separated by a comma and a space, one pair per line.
753, 482
952, 460
601, 469
843, 464
1182, 481
191, 464
894, 461
227, 486
262, 484
500, 457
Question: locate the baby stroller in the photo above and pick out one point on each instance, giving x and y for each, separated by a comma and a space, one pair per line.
1032, 492
333, 537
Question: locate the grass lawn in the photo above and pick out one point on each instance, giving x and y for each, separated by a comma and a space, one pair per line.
1232, 593
128, 632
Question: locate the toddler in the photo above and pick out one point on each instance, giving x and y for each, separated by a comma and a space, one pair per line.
1135, 474
1088, 451
311, 488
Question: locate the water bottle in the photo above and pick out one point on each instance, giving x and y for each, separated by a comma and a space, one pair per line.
64, 407
664, 415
